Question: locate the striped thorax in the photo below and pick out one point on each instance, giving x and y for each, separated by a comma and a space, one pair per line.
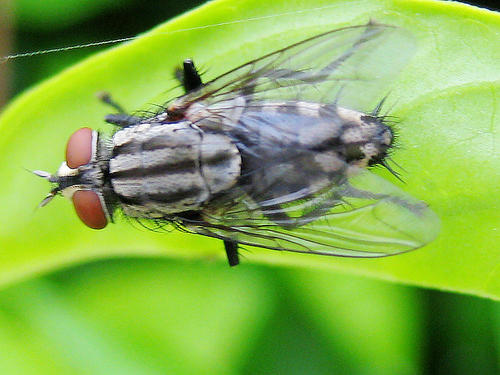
157, 169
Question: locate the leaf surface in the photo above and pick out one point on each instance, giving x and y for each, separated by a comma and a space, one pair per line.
447, 101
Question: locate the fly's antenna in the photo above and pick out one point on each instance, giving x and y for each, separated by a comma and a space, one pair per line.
45, 201
42, 174
47, 176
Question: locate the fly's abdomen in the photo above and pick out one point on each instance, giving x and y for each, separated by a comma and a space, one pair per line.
161, 169
355, 137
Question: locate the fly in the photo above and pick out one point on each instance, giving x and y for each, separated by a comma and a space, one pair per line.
275, 153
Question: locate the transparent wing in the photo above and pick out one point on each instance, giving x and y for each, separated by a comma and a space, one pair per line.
297, 191
352, 66
362, 216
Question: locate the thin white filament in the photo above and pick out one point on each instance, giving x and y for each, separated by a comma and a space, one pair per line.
4, 59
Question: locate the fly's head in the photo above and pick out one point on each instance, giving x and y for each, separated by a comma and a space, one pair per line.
82, 178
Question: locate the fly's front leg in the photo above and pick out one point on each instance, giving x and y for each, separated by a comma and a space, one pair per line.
121, 118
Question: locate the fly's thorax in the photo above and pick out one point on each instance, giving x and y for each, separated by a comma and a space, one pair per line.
162, 169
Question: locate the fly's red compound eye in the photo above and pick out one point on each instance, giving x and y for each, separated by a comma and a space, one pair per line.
88, 207
87, 204
79, 148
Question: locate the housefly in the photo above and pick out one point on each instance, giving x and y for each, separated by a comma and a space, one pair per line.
275, 153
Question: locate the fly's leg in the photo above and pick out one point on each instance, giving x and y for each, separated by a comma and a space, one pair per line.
188, 76
121, 118
194, 219
232, 252
106, 98
191, 80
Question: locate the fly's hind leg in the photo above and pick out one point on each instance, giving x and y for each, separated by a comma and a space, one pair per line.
193, 219
122, 118
232, 252
188, 76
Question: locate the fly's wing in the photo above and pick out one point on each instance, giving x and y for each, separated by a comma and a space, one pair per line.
361, 216
350, 66
305, 197
298, 193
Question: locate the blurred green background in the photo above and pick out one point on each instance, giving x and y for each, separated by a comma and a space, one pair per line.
157, 316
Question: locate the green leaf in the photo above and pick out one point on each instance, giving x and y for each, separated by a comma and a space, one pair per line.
158, 316
446, 101
133, 317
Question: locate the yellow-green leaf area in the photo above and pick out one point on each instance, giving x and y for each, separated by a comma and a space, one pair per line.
446, 101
